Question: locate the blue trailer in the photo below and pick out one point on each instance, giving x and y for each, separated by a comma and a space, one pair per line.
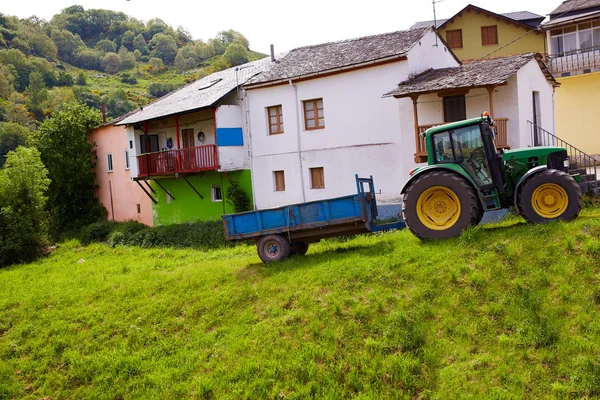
284, 231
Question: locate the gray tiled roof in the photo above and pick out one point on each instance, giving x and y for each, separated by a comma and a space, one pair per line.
522, 15
321, 58
471, 74
517, 16
575, 5
570, 18
202, 93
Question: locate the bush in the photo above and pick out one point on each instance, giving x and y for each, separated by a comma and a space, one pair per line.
199, 235
23, 222
157, 89
104, 230
128, 78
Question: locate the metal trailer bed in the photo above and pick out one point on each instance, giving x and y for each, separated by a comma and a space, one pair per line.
287, 230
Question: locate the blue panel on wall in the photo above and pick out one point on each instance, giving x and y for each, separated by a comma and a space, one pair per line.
230, 137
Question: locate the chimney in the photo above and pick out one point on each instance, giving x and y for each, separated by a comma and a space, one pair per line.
104, 112
272, 53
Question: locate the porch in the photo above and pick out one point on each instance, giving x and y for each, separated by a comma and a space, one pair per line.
500, 128
181, 161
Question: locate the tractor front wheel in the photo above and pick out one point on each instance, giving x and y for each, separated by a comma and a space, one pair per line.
440, 205
273, 248
549, 195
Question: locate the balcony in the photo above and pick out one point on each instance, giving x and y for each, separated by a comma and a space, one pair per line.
576, 61
501, 139
182, 161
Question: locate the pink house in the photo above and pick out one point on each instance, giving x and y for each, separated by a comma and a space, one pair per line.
120, 195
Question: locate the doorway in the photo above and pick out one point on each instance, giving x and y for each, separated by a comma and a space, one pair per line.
455, 108
537, 120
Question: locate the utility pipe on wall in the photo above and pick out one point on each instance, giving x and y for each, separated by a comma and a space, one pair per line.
298, 126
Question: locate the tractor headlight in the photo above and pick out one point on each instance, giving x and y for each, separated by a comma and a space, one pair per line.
566, 163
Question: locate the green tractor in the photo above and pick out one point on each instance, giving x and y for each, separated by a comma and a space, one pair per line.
467, 176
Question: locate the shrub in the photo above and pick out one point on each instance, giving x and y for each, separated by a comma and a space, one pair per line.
128, 78
103, 231
237, 198
23, 226
158, 89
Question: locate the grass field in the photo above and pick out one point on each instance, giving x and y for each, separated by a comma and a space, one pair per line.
505, 311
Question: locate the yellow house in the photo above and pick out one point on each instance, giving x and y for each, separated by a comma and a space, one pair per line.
475, 33
573, 34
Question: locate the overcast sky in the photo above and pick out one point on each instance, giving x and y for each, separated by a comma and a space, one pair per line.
284, 23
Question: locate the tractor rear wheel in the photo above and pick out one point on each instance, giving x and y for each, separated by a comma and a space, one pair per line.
440, 205
273, 248
549, 195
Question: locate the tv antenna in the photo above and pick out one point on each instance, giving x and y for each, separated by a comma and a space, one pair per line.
434, 2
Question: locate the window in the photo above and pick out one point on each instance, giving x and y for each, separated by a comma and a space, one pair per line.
275, 115
279, 179
454, 39
126, 160
455, 108
148, 144
313, 114
489, 35
109, 162
139, 209
585, 37
216, 193
131, 144
317, 178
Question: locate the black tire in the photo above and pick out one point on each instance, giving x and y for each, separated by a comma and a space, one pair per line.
273, 248
470, 210
531, 207
299, 248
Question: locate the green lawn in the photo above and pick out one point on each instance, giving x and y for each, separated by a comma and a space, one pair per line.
506, 311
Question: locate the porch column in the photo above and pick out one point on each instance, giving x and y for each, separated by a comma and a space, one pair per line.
176, 119
490, 90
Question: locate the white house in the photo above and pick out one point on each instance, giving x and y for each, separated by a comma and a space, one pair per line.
320, 114
317, 117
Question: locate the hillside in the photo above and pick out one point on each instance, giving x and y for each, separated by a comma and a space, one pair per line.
508, 310
101, 56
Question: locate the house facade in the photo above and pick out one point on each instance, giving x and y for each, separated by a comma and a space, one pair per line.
573, 35
188, 147
317, 117
475, 33
117, 192
513, 89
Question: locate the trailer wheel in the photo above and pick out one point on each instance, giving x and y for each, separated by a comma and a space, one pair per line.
299, 249
440, 205
550, 195
273, 248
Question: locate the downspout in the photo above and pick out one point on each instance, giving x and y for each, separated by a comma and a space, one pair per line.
299, 141
247, 105
147, 145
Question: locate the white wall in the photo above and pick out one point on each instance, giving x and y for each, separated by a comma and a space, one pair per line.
364, 133
233, 158
531, 78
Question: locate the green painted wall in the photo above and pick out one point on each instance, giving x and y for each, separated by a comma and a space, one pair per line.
188, 205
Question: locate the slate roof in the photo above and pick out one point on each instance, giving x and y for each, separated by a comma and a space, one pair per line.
469, 75
322, 58
521, 17
570, 18
575, 5
200, 94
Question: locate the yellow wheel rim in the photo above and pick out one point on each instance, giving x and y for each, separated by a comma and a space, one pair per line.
550, 200
438, 208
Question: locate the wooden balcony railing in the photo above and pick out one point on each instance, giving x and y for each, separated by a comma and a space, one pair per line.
171, 162
501, 139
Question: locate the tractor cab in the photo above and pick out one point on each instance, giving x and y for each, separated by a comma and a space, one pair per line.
466, 176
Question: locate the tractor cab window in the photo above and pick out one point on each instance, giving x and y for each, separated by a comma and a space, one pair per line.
464, 146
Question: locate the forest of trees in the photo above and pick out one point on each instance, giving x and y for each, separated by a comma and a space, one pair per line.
44, 64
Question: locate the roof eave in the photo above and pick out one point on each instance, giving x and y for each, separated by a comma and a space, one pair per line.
171, 115
490, 13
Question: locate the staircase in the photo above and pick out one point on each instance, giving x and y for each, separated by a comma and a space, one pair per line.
580, 162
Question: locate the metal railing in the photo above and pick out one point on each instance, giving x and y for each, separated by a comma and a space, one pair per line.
501, 140
574, 60
578, 159
171, 162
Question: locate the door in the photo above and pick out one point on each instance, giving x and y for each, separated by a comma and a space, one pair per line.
188, 155
537, 120
148, 144
455, 108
